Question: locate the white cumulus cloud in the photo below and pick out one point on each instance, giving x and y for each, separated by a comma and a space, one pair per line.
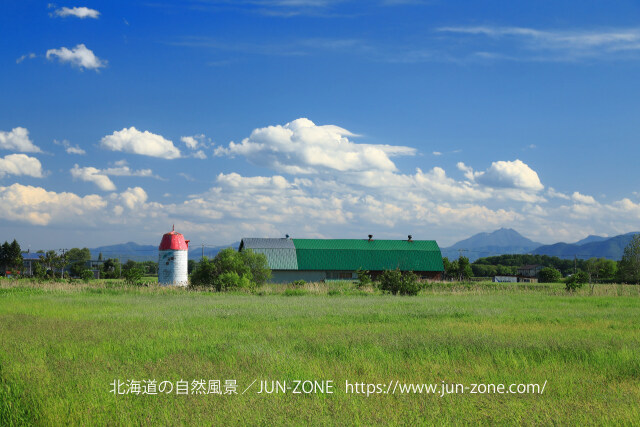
583, 198
100, 177
145, 143
509, 174
37, 206
79, 56
78, 12
91, 174
17, 140
302, 147
20, 164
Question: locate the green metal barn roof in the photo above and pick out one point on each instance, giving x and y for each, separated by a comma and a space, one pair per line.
348, 254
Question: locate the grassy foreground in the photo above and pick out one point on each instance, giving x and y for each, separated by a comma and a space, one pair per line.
62, 345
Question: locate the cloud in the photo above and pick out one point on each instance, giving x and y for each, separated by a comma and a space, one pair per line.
145, 143
100, 177
190, 142
134, 197
196, 142
20, 164
551, 192
78, 12
302, 147
94, 175
17, 140
37, 206
556, 45
584, 199
70, 149
79, 56
27, 56
508, 174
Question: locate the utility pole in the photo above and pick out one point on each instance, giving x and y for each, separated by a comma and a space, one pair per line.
202, 252
575, 263
64, 265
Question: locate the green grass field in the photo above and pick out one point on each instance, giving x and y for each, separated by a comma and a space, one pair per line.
62, 346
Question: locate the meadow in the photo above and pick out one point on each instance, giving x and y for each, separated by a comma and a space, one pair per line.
64, 344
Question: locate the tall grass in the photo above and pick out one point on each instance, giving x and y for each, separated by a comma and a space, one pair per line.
62, 344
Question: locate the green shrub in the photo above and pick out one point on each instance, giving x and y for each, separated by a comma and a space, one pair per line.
232, 280
549, 275
294, 292
576, 281
364, 278
298, 283
397, 283
133, 276
86, 276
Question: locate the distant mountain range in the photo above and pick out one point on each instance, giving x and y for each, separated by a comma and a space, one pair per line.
136, 252
499, 242
599, 247
509, 241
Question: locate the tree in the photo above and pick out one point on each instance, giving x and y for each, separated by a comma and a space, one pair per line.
53, 261
576, 281
599, 268
258, 265
549, 275
4, 256
11, 256
231, 269
78, 259
111, 268
15, 256
77, 255
464, 269
450, 268
629, 265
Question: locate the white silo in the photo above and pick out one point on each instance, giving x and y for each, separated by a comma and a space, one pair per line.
173, 259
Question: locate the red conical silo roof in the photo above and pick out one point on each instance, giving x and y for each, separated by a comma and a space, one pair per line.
173, 241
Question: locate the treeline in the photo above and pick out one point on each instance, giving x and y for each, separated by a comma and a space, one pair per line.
595, 270
505, 265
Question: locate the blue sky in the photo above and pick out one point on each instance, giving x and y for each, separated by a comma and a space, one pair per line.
317, 118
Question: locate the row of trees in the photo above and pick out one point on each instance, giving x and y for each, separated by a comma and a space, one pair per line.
11, 256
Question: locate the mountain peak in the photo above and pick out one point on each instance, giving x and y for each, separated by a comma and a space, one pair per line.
502, 240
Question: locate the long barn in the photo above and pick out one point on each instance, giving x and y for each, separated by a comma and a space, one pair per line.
315, 260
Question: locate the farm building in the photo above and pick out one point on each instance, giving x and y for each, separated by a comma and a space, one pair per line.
315, 260
529, 273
